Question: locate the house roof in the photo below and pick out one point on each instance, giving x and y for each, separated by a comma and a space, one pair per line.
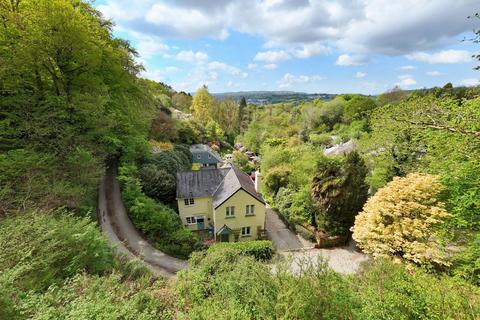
201, 183
202, 153
220, 184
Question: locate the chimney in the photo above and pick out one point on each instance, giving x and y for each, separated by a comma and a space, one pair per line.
258, 181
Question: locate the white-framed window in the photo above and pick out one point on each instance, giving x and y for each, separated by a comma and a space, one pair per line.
195, 219
189, 201
191, 220
230, 212
209, 156
199, 156
246, 232
250, 209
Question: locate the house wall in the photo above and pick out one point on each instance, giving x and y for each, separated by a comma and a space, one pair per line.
239, 200
202, 206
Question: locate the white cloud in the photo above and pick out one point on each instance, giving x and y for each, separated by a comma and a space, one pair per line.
442, 57
470, 82
223, 67
252, 66
360, 27
156, 75
351, 60
150, 46
360, 75
408, 67
159, 74
191, 56
288, 80
185, 22
309, 50
434, 73
270, 66
406, 80
272, 56
230, 84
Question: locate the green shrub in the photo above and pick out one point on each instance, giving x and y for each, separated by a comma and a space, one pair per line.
91, 297
304, 233
391, 291
31, 179
261, 250
227, 285
40, 249
160, 224
466, 264
179, 243
283, 201
158, 183
233, 286
323, 139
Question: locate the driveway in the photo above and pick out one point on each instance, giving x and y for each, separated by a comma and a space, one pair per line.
345, 259
283, 238
115, 223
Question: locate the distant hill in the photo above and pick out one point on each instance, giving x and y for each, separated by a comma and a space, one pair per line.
269, 97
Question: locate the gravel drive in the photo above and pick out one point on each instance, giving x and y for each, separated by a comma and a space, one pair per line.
345, 259
114, 222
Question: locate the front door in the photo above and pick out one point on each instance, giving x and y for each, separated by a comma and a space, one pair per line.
224, 237
200, 223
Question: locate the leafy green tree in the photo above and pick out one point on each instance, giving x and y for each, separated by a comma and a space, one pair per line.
66, 85
276, 178
158, 183
182, 101
163, 128
188, 133
225, 113
340, 191
213, 131
201, 104
358, 108
241, 160
393, 96
242, 114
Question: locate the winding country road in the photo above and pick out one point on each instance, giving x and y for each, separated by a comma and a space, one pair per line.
114, 222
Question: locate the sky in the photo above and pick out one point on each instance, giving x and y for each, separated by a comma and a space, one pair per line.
315, 46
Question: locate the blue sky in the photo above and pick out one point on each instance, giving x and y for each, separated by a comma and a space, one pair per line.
323, 46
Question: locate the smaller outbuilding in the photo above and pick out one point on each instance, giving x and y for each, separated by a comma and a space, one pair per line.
205, 156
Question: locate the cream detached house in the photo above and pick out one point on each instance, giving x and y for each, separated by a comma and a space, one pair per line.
222, 202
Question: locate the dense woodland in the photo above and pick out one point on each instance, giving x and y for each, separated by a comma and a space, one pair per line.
72, 103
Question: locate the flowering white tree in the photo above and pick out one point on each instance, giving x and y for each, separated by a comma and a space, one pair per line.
401, 220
